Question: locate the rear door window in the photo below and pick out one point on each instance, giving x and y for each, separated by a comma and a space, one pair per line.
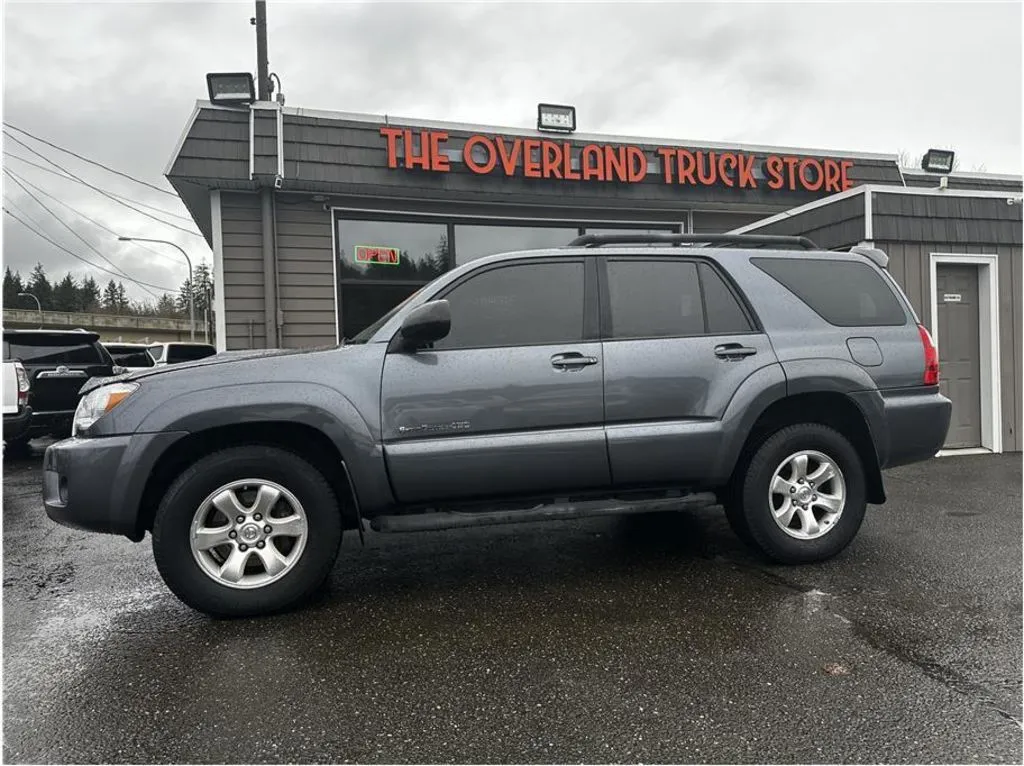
843, 293
157, 352
654, 299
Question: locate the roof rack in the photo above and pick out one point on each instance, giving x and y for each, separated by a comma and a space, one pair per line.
783, 243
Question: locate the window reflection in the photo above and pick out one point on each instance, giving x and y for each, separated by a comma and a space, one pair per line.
472, 241
423, 252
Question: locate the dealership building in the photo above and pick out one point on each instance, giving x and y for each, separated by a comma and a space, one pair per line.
321, 221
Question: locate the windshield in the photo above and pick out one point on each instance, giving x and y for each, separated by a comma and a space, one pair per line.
368, 332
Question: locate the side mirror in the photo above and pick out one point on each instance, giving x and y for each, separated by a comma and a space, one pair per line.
426, 324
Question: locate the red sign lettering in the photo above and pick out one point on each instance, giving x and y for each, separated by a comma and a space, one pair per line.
387, 256
561, 161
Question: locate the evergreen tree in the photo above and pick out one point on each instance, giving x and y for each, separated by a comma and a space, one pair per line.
89, 296
12, 286
165, 306
203, 288
123, 304
40, 287
65, 295
111, 297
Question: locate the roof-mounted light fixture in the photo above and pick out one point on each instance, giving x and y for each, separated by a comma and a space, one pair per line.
938, 161
230, 88
556, 117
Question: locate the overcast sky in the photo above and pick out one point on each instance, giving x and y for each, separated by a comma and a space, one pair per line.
116, 81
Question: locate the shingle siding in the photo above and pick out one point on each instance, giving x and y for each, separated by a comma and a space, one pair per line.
264, 142
951, 220
836, 225
342, 154
720, 222
956, 182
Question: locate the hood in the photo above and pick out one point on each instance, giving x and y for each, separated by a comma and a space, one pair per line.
224, 357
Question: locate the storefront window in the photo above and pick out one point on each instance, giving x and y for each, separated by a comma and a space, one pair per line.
472, 241
391, 250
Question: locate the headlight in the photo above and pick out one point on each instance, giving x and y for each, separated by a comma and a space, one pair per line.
98, 403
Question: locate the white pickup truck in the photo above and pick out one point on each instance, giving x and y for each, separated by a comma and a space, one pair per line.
17, 413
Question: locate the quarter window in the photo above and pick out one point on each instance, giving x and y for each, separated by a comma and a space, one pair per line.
522, 305
843, 293
654, 299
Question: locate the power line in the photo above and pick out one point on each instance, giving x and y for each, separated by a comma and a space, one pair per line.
76, 255
91, 220
96, 188
91, 162
115, 194
67, 226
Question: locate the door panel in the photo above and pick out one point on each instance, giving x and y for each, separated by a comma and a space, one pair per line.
664, 398
960, 351
679, 344
511, 401
483, 422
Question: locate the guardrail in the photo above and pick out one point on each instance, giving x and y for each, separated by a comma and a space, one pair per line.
111, 327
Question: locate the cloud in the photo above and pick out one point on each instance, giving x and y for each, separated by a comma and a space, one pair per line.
117, 81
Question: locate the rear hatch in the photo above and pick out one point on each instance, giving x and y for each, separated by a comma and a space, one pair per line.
58, 365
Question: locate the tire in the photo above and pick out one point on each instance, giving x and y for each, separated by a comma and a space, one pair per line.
192, 574
804, 540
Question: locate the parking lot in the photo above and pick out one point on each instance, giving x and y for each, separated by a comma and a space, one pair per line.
649, 638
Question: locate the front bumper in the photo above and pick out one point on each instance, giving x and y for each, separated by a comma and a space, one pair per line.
17, 425
97, 484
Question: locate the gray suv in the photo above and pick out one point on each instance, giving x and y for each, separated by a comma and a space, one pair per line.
617, 374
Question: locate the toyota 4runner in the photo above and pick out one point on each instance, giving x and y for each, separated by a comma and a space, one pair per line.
617, 374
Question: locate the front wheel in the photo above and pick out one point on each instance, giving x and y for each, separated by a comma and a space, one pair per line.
804, 494
246, 531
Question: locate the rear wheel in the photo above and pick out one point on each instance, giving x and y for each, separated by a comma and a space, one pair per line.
803, 495
246, 531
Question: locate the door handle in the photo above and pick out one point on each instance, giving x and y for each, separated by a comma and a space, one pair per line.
734, 351
572, 360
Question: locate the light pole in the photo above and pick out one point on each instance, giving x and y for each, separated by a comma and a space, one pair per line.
191, 279
38, 306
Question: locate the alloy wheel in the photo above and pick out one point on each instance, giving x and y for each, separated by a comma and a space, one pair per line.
807, 494
248, 533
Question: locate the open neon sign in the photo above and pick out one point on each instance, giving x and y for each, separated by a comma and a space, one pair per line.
386, 256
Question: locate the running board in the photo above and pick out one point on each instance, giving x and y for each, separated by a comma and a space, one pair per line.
423, 522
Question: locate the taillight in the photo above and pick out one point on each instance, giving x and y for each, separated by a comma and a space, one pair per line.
23, 385
931, 357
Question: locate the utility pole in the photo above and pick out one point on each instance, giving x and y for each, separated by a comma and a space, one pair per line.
262, 64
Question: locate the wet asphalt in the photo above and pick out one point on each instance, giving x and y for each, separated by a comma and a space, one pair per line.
654, 638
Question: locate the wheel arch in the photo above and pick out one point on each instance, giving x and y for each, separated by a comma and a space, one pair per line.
306, 441
829, 408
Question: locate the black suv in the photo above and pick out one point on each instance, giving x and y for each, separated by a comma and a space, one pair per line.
58, 363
